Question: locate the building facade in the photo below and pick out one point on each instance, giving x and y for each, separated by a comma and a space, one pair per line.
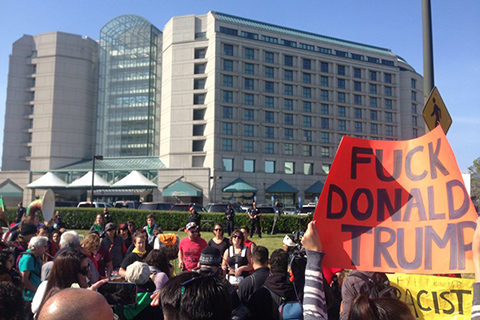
235, 109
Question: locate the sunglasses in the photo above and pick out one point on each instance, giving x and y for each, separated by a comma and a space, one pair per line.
85, 270
234, 237
218, 230
193, 230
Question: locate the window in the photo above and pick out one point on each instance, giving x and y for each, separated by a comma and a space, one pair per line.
288, 90
373, 60
199, 98
325, 123
269, 132
198, 145
323, 66
288, 134
227, 144
388, 78
288, 75
199, 68
342, 111
288, 61
228, 96
326, 168
373, 88
269, 166
341, 70
414, 96
307, 135
249, 84
357, 73
227, 128
198, 130
288, 148
200, 53
289, 43
307, 64
249, 68
389, 130
342, 125
199, 114
249, 165
307, 78
248, 115
269, 147
307, 121
373, 115
269, 102
414, 108
325, 152
388, 91
249, 35
228, 49
358, 126
373, 75
230, 31
373, 102
324, 50
289, 167
269, 39
374, 128
199, 83
341, 84
325, 137
228, 65
248, 130
227, 81
388, 104
249, 54
305, 46
357, 86
341, 97
227, 164
269, 87
414, 83
388, 117
307, 106
289, 119
269, 117
288, 103
307, 151
248, 99
307, 92
269, 72
324, 95
248, 146
269, 57
414, 121
324, 81
357, 56
357, 113
341, 53
357, 99
325, 109
227, 112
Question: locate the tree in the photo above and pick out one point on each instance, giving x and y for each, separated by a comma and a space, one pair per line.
475, 181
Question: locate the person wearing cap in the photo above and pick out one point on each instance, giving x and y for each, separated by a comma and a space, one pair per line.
190, 248
210, 260
114, 244
125, 234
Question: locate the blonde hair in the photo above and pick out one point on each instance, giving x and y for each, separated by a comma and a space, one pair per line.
91, 242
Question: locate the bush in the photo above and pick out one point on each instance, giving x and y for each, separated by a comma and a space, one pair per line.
83, 218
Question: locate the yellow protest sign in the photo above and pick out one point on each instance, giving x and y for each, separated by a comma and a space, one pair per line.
431, 297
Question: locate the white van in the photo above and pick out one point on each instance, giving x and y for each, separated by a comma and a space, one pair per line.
88, 204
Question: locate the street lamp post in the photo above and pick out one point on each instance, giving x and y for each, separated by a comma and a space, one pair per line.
93, 177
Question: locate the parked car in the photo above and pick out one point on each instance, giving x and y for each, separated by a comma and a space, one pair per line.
222, 207
290, 210
185, 206
127, 204
88, 204
155, 206
266, 209
308, 208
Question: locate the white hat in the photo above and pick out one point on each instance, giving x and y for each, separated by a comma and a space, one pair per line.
288, 241
138, 272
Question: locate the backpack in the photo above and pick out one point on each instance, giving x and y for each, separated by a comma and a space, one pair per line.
379, 285
287, 310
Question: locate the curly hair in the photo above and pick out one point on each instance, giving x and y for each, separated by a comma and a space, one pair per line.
91, 243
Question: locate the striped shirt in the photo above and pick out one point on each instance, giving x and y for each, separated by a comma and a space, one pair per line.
314, 303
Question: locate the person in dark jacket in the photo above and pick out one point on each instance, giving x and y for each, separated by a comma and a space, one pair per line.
230, 219
256, 280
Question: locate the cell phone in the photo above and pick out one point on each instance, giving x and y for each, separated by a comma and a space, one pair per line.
119, 293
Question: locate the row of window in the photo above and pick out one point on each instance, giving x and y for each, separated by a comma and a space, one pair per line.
270, 166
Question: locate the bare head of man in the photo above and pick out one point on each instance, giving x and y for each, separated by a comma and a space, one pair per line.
78, 304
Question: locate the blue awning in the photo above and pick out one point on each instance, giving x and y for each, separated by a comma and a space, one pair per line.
182, 189
239, 185
317, 187
281, 187
10, 189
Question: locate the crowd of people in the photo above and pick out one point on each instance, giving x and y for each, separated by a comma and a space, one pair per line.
48, 272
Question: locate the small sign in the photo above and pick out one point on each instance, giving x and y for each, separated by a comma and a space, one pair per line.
435, 112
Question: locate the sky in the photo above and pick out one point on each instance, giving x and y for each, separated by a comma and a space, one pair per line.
395, 25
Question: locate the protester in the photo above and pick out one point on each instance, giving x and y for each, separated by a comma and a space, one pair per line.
138, 254
219, 241
255, 214
114, 244
43, 231
190, 248
151, 225
20, 212
256, 280
7, 270
160, 267
125, 234
30, 266
246, 233
27, 232
98, 225
90, 246
55, 240
168, 243
237, 259
12, 306
131, 226
230, 219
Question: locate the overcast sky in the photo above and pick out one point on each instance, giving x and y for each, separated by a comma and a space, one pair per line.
395, 25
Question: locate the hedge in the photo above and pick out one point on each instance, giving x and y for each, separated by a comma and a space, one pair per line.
83, 218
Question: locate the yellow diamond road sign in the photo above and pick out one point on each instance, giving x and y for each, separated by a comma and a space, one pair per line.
435, 112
